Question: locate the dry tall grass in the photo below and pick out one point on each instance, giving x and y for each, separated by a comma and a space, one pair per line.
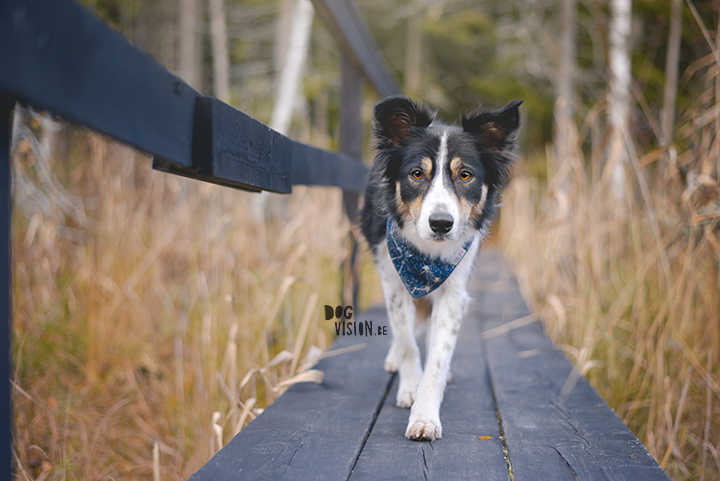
153, 315
631, 289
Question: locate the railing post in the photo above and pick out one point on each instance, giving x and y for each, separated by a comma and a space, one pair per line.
351, 135
6, 106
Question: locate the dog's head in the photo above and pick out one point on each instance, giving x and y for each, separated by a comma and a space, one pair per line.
442, 182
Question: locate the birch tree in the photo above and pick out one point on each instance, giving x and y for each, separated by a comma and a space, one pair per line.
221, 59
283, 25
293, 66
188, 65
565, 82
619, 100
293, 50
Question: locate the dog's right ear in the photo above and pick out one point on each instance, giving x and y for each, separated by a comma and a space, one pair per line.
395, 117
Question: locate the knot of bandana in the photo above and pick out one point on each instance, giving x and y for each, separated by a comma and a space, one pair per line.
420, 273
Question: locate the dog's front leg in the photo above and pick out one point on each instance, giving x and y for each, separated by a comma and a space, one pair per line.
446, 318
404, 354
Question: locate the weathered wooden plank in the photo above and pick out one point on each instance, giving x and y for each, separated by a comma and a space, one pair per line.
313, 431
502, 299
467, 413
549, 436
344, 22
495, 289
349, 426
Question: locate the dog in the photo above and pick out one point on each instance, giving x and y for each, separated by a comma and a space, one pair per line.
432, 194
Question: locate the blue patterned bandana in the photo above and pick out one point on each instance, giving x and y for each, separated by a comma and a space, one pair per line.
420, 273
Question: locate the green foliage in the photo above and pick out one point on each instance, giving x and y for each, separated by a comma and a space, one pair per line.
465, 63
115, 12
460, 29
536, 108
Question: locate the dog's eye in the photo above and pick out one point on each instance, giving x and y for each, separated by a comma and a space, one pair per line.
465, 175
417, 174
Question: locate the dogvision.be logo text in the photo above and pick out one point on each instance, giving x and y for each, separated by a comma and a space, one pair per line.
345, 326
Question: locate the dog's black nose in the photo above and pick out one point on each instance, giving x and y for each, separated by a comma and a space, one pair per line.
441, 223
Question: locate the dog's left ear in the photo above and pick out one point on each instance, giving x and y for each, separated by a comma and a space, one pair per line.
396, 117
496, 129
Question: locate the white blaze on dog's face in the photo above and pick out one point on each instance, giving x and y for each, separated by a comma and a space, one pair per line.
448, 203
439, 212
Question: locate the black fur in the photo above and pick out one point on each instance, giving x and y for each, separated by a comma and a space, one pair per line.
495, 134
405, 133
396, 117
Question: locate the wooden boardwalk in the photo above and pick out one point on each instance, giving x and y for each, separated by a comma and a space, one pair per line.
505, 413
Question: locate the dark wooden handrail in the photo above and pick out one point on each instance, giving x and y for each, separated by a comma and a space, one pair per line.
59, 57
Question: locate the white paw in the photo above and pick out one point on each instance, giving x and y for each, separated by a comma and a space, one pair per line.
405, 397
424, 429
391, 362
408, 386
449, 376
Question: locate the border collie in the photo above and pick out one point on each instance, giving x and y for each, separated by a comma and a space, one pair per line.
433, 192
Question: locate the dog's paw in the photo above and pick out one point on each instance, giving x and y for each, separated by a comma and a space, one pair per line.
405, 397
424, 429
407, 387
391, 362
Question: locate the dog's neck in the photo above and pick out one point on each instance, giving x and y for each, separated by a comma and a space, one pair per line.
421, 273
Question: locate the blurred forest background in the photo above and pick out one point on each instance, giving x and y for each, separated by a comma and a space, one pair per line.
155, 316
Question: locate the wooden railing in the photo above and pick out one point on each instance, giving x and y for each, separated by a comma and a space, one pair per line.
59, 57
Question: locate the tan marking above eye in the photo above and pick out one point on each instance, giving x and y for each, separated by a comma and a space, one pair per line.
456, 168
455, 165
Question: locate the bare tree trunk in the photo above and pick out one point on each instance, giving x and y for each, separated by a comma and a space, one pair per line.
290, 78
413, 57
188, 62
168, 29
565, 103
221, 60
620, 77
291, 72
282, 33
671, 73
